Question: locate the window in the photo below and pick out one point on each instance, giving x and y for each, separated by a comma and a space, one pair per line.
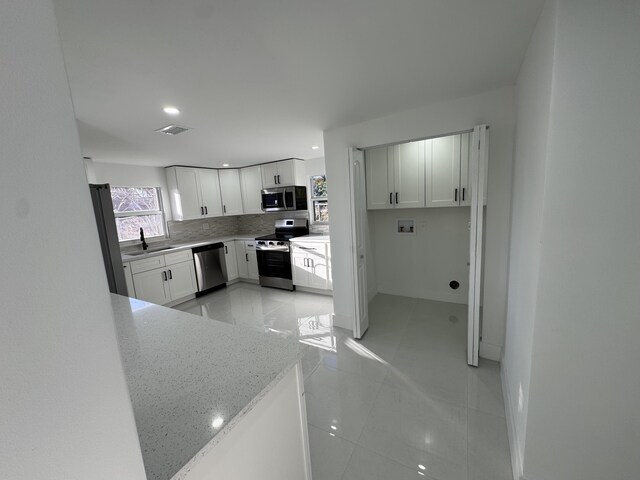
319, 202
136, 208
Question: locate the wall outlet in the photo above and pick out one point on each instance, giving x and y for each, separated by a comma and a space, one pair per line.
205, 226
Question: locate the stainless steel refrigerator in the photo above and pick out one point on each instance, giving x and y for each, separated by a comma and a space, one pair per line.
106, 223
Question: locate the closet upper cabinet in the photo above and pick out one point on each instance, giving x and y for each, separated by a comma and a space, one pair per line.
395, 176
194, 193
442, 156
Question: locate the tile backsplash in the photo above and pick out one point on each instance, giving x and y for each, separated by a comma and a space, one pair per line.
194, 230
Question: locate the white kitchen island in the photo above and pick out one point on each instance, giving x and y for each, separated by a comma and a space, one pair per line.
212, 400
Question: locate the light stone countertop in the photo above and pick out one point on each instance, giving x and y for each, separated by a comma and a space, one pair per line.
179, 246
313, 237
185, 371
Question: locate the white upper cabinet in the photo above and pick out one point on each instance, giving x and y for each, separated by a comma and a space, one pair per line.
250, 186
395, 176
379, 178
465, 158
210, 187
408, 175
194, 192
442, 156
184, 193
270, 175
283, 173
230, 192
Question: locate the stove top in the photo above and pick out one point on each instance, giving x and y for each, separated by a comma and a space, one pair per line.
287, 229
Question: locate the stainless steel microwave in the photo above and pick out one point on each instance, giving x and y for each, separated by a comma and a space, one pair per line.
281, 199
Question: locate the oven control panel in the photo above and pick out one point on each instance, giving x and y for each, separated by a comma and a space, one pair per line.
275, 245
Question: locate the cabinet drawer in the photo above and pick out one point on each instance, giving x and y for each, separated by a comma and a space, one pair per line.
146, 264
177, 257
308, 247
250, 245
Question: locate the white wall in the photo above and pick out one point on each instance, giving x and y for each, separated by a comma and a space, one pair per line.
65, 408
119, 175
422, 265
533, 104
583, 420
495, 108
572, 356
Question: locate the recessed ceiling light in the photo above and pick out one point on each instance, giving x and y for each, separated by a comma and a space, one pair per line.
225, 164
315, 147
217, 422
171, 110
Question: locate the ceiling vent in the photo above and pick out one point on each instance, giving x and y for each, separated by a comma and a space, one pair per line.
172, 129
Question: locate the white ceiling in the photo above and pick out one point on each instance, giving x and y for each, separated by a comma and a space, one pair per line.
259, 80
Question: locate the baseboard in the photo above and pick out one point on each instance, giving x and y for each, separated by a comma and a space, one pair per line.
516, 460
490, 352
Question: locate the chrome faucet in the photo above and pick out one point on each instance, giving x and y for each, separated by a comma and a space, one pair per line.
144, 244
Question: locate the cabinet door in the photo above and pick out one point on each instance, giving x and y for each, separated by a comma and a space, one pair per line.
250, 185
230, 192
182, 280
151, 286
231, 261
210, 187
443, 171
465, 157
269, 175
379, 185
128, 277
317, 265
286, 173
241, 257
299, 270
252, 259
187, 200
408, 175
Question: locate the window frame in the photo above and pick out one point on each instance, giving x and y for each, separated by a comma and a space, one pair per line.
142, 213
313, 199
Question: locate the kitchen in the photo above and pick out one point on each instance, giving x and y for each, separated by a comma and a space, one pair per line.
91, 379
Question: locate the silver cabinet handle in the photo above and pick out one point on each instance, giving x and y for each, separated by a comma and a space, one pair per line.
463, 189
201, 210
390, 198
279, 182
455, 198
164, 276
170, 275
396, 198
226, 250
275, 180
206, 210
246, 256
224, 209
306, 248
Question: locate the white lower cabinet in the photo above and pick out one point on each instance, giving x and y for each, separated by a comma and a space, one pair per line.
164, 278
231, 261
247, 259
128, 277
311, 266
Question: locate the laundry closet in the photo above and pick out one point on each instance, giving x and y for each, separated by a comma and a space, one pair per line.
418, 197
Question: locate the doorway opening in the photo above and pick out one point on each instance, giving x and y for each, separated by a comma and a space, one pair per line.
418, 210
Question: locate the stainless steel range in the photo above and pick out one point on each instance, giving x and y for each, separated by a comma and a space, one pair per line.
274, 259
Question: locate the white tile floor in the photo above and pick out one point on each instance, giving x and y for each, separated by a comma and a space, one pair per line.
400, 404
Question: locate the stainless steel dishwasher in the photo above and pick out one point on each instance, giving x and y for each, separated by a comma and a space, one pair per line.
211, 269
